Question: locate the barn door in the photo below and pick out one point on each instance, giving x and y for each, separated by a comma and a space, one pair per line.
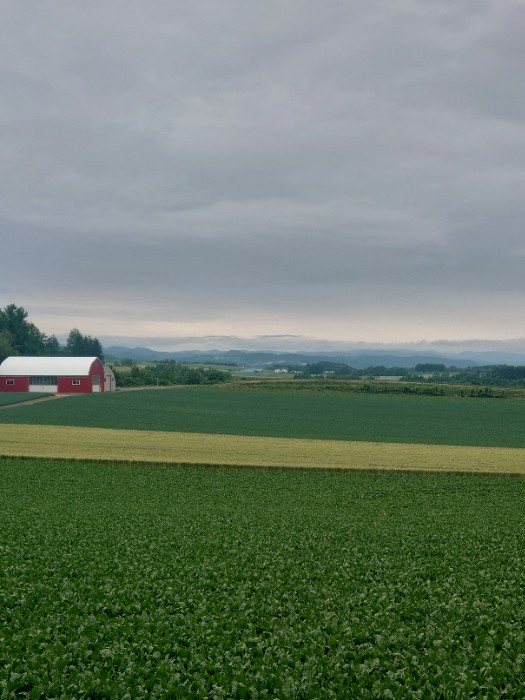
96, 383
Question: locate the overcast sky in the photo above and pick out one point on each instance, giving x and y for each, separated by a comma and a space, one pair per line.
349, 170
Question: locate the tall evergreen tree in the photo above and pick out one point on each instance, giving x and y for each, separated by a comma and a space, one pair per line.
18, 336
52, 346
79, 345
26, 339
6, 346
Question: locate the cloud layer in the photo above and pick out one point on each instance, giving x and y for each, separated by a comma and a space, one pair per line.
353, 171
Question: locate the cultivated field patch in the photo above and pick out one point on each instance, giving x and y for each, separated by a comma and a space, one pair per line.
154, 582
197, 448
15, 397
323, 416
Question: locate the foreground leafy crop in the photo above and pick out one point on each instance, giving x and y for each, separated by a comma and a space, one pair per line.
373, 418
159, 582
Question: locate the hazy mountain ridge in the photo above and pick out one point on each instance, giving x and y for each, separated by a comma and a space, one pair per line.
358, 358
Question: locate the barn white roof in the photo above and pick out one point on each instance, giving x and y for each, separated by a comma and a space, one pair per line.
46, 366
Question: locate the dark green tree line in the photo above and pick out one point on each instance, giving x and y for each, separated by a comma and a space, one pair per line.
78, 345
19, 336
169, 373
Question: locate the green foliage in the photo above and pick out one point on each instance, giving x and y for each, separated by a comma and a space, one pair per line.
12, 397
169, 373
151, 582
337, 369
52, 346
20, 336
6, 345
381, 370
509, 371
78, 345
430, 367
490, 375
323, 415
421, 387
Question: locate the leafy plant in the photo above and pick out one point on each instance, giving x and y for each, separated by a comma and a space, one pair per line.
153, 582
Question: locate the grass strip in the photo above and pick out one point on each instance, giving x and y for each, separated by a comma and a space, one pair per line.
198, 448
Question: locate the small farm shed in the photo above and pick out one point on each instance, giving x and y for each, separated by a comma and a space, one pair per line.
61, 375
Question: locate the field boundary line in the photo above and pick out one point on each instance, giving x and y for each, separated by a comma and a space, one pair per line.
265, 468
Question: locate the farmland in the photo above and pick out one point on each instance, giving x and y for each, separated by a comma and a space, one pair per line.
162, 582
189, 578
247, 451
323, 416
15, 397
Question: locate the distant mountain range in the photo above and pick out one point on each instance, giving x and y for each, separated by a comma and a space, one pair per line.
358, 358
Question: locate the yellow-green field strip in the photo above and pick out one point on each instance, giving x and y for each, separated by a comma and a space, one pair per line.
197, 448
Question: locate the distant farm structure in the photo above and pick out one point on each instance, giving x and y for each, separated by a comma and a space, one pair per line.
59, 375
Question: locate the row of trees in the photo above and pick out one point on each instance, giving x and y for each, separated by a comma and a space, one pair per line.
339, 370
19, 336
491, 375
168, 373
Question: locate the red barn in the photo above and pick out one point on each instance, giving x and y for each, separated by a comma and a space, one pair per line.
61, 375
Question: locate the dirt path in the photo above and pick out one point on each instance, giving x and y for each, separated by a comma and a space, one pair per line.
32, 401
61, 396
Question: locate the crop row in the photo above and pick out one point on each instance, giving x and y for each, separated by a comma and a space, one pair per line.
160, 582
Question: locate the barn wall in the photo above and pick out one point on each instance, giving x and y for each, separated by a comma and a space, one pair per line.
66, 386
20, 384
97, 368
65, 383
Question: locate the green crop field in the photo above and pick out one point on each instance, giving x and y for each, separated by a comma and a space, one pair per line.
373, 418
7, 398
156, 582
165, 582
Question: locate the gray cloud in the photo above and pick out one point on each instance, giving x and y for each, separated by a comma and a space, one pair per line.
233, 168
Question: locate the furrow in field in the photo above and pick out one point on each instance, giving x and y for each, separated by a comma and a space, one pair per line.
198, 448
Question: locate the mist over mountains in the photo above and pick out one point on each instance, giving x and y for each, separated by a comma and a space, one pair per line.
358, 358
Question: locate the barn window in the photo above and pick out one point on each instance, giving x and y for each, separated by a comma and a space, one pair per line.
10, 382
46, 380
75, 382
